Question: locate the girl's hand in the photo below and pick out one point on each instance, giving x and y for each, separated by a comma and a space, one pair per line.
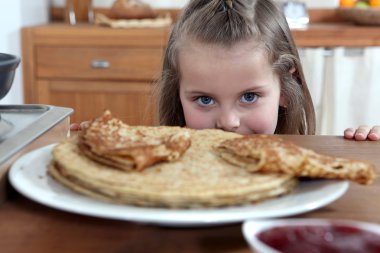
78, 127
363, 133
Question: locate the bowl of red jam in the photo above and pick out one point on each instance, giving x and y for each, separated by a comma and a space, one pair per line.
312, 236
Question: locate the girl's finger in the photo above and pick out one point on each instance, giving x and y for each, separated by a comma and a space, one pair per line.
349, 133
362, 133
374, 133
74, 127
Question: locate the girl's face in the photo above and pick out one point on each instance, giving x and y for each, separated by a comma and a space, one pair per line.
233, 89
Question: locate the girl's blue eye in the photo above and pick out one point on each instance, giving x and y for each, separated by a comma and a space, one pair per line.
205, 100
249, 97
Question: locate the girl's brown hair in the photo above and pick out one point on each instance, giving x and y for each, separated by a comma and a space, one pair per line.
226, 22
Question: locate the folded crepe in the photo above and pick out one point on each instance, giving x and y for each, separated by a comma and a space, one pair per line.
110, 141
271, 154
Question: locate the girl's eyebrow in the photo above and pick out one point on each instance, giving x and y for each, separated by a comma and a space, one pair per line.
255, 88
196, 92
249, 89
252, 88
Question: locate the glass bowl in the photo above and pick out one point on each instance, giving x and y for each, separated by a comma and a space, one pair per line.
311, 235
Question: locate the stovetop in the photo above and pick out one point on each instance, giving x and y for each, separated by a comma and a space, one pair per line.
22, 124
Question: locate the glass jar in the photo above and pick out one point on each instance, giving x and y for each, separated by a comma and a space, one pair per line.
78, 11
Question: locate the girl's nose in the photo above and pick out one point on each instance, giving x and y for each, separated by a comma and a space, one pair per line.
228, 121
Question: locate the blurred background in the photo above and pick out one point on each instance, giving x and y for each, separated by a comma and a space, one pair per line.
343, 79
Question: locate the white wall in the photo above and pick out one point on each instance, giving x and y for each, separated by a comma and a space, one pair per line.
14, 15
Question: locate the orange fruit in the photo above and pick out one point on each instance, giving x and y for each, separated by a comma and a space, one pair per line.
347, 3
374, 3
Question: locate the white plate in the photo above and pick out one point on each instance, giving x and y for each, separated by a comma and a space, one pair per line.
28, 176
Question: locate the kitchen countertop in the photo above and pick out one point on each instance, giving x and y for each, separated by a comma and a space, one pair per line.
28, 225
327, 28
318, 34
337, 34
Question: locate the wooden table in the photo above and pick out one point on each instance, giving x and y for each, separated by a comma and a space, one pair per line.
28, 226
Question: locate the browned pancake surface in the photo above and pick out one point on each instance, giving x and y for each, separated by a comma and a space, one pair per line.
268, 153
109, 140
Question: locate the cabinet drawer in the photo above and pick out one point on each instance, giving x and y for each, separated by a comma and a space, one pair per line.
99, 63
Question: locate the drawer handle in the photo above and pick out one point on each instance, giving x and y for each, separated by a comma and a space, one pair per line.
100, 64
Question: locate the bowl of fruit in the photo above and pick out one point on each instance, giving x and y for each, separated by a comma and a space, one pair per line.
360, 12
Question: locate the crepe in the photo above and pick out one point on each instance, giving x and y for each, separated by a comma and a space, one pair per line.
110, 141
176, 167
198, 179
271, 154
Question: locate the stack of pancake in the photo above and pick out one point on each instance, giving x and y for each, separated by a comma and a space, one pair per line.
183, 168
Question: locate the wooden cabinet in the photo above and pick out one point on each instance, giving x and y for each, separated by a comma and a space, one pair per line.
91, 69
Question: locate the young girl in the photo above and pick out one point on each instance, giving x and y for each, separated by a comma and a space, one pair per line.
233, 65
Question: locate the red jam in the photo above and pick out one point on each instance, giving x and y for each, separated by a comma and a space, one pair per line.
321, 239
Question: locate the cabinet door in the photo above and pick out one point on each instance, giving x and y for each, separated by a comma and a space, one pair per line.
132, 102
